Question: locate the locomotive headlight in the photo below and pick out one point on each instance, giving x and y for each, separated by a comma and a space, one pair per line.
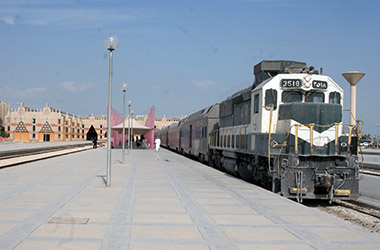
343, 145
307, 83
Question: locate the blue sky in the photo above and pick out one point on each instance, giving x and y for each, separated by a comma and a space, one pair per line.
179, 56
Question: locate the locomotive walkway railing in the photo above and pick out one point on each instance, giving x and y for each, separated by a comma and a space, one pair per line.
233, 138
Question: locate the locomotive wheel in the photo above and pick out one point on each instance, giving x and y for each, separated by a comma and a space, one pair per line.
211, 161
218, 163
244, 173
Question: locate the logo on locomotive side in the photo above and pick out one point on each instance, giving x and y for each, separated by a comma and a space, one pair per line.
319, 84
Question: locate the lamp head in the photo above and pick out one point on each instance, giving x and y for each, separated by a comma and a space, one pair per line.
111, 42
124, 87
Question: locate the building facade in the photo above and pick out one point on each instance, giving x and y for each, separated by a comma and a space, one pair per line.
159, 122
50, 124
4, 109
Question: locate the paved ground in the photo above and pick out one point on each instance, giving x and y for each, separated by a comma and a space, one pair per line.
156, 201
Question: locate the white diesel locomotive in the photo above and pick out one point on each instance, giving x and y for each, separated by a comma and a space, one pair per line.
285, 132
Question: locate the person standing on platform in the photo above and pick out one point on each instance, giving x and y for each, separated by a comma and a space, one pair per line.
157, 143
94, 142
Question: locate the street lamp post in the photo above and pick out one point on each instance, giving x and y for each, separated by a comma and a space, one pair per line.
377, 136
124, 89
111, 43
132, 130
129, 124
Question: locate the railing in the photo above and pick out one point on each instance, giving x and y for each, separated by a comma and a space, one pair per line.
233, 138
311, 127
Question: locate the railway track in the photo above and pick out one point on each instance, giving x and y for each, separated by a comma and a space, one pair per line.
358, 213
361, 207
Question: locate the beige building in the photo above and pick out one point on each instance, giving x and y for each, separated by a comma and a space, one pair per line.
4, 109
159, 122
50, 124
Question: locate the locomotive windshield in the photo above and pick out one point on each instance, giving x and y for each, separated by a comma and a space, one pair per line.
291, 96
297, 96
316, 97
334, 97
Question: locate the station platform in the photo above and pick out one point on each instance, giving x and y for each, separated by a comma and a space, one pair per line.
23, 146
157, 200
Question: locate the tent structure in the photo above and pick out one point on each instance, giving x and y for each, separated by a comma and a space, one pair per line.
138, 128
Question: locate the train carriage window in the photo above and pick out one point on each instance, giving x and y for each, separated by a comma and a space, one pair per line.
256, 103
334, 97
316, 97
271, 98
291, 96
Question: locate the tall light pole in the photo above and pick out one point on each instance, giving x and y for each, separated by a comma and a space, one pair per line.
124, 89
353, 77
111, 43
129, 124
132, 130
377, 136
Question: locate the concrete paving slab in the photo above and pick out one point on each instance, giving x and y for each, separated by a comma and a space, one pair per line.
92, 216
59, 244
244, 219
14, 215
70, 231
260, 234
163, 246
173, 233
335, 234
230, 209
159, 208
309, 220
161, 200
356, 247
87, 206
30, 205
158, 218
4, 227
210, 201
285, 246
211, 195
